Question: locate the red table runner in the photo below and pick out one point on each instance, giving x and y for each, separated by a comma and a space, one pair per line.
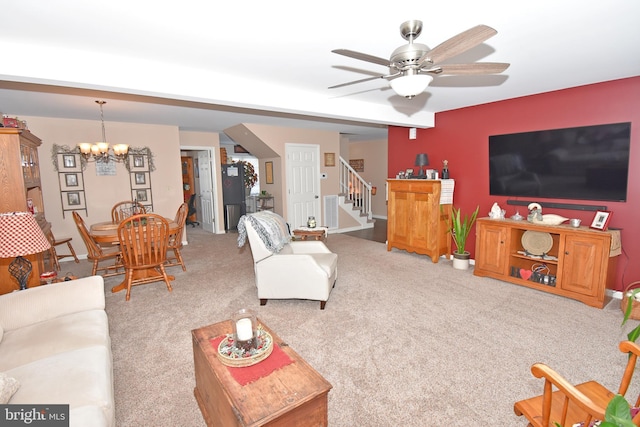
248, 374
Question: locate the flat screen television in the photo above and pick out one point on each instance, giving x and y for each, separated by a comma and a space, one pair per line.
582, 163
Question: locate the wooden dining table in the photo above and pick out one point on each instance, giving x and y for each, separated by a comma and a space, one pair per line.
106, 233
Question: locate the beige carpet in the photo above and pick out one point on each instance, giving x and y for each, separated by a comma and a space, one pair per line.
403, 341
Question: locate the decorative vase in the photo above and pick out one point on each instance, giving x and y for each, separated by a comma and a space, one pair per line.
461, 261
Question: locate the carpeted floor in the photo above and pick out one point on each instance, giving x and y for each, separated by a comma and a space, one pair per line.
403, 341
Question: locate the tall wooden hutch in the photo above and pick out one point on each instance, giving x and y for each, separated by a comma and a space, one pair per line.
20, 181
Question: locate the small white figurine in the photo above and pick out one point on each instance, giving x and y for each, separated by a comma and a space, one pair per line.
496, 212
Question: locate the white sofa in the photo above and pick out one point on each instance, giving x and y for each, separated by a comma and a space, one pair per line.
54, 340
285, 269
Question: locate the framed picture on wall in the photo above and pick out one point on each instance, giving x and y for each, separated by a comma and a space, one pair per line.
138, 161
69, 161
268, 172
329, 159
140, 178
357, 165
141, 195
71, 179
73, 198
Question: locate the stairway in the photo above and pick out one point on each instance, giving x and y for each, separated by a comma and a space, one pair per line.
355, 197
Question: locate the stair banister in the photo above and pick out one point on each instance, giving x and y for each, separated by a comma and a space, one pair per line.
355, 188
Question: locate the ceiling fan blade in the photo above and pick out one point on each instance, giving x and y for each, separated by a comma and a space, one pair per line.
458, 44
356, 81
363, 56
388, 76
465, 69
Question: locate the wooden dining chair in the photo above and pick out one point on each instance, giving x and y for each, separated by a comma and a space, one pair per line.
569, 404
55, 256
97, 253
144, 240
125, 209
175, 239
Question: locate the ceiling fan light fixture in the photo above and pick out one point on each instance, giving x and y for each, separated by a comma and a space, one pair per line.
411, 85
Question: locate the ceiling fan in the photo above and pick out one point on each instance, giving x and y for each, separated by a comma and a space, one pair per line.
412, 66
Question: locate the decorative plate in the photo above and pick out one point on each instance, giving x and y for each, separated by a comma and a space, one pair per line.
230, 355
537, 242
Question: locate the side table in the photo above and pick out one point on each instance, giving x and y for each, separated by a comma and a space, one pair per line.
305, 233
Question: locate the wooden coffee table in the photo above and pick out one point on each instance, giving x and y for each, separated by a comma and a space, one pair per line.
295, 394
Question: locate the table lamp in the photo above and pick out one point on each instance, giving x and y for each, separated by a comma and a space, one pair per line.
21, 235
422, 160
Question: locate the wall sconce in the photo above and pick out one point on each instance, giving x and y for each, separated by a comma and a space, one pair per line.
21, 235
99, 152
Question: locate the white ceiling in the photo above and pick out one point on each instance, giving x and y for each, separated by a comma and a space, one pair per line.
208, 65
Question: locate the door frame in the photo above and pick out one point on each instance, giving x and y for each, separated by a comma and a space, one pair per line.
216, 189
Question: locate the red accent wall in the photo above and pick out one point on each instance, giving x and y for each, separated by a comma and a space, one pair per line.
462, 137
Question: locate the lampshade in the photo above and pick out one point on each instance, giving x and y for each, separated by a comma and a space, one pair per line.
411, 85
422, 159
21, 235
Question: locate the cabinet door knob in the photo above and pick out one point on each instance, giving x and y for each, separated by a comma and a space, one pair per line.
566, 252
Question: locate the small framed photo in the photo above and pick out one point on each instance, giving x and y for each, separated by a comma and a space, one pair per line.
141, 195
71, 179
73, 198
138, 161
408, 173
601, 220
140, 179
69, 161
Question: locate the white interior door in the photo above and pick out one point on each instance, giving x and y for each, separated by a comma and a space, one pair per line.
206, 190
303, 183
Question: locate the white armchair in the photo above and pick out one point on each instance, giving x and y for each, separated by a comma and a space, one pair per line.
286, 269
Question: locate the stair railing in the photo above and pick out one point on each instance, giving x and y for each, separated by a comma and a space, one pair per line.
355, 189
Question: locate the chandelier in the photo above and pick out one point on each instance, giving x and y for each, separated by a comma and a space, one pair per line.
99, 152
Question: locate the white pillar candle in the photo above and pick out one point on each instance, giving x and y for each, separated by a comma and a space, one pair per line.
244, 330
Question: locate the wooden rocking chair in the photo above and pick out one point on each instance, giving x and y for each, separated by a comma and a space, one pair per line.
569, 404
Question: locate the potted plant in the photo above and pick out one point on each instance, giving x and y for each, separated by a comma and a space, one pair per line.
460, 229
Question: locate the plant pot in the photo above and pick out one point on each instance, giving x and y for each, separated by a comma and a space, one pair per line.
461, 261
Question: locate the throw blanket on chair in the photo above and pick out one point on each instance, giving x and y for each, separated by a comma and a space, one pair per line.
271, 228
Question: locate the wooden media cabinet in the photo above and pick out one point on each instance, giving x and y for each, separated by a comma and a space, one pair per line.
416, 219
581, 262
